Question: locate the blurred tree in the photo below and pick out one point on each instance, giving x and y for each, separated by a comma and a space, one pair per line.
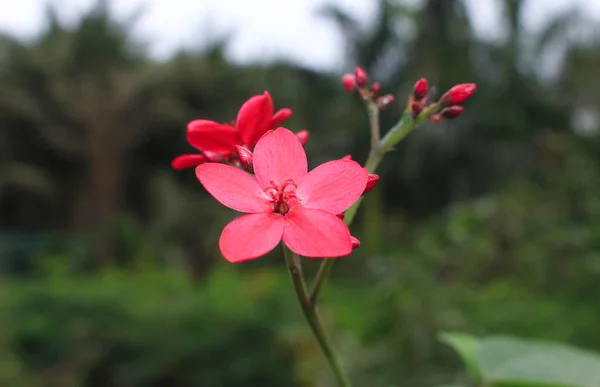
88, 92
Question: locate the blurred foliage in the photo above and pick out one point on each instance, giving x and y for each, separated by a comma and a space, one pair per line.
111, 274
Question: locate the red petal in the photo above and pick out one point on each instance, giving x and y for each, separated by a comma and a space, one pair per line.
254, 118
187, 161
233, 187
333, 186
279, 157
280, 116
316, 234
213, 137
251, 236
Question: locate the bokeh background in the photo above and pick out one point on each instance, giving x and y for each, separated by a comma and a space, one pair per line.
110, 274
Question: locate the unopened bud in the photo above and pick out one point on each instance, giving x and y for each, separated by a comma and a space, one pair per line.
417, 108
245, 157
375, 88
435, 118
459, 93
372, 180
361, 76
347, 157
355, 242
385, 101
421, 88
302, 136
452, 111
349, 82
280, 116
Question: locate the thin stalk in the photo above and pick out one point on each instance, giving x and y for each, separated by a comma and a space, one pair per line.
386, 144
312, 316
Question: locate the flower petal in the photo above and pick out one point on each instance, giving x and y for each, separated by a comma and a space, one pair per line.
280, 116
279, 157
211, 136
251, 236
254, 118
333, 186
233, 187
316, 234
187, 161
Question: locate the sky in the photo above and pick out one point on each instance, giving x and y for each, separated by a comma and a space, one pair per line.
261, 28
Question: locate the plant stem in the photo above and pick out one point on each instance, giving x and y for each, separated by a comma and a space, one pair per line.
312, 316
373, 111
378, 150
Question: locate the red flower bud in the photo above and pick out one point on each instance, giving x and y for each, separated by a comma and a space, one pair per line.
417, 108
372, 180
385, 101
452, 111
435, 118
302, 136
341, 216
375, 88
459, 93
347, 157
245, 157
280, 116
349, 82
355, 242
361, 76
421, 88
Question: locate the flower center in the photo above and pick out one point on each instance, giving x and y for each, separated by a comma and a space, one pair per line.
282, 196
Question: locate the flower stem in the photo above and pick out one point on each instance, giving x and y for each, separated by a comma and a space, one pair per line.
312, 316
378, 150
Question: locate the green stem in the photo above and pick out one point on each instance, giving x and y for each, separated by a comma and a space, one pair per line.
312, 316
386, 144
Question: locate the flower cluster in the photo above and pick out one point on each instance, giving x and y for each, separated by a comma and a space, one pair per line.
359, 82
281, 199
447, 107
219, 142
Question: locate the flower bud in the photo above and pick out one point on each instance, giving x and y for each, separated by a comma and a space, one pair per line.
420, 89
372, 180
375, 88
361, 76
459, 93
452, 111
435, 118
417, 108
347, 157
302, 136
355, 242
245, 157
385, 101
349, 82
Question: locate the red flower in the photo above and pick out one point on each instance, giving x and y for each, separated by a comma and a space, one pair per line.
285, 201
255, 118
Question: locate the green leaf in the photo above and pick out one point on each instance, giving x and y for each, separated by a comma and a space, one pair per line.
507, 360
467, 347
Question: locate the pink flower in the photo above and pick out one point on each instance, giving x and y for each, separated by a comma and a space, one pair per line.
255, 117
284, 201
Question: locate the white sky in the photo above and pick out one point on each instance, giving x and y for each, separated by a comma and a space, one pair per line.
264, 28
